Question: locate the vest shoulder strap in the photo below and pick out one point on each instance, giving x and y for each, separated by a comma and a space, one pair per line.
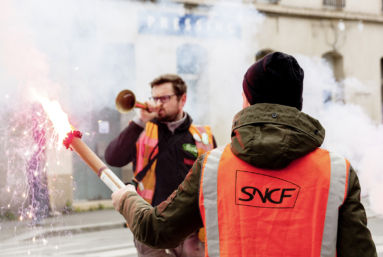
151, 130
203, 138
203, 132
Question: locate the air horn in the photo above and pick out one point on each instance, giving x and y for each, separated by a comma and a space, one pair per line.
126, 102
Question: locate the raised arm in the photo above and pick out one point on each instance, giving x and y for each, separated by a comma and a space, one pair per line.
122, 149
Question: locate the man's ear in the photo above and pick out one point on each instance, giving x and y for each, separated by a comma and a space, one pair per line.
183, 100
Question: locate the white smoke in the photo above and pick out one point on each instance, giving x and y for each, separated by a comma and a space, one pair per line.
350, 132
61, 47
23, 65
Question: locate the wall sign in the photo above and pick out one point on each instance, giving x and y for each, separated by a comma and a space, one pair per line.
167, 23
103, 127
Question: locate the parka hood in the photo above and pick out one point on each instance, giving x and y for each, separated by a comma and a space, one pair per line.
271, 136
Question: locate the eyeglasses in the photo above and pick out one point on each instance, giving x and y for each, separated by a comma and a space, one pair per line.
163, 99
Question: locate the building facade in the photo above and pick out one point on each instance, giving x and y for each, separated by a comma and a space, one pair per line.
346, 33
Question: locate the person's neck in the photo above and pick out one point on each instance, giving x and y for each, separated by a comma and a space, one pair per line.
173, 125
179, 116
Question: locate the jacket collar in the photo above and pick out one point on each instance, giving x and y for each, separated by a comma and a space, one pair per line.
271, 136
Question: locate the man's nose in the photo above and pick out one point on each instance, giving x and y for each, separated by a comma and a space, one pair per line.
159, 101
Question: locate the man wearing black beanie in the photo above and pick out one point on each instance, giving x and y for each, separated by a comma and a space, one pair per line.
270, 192
275, 79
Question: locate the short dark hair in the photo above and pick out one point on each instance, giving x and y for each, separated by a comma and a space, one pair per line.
179, 85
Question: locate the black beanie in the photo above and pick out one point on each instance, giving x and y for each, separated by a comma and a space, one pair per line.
277, 79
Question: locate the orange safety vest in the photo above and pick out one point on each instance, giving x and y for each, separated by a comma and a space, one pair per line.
249, 211
148, 141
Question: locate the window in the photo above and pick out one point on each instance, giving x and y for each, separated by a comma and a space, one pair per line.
335, 62
336, 3
112, 68
262, 53
191, 66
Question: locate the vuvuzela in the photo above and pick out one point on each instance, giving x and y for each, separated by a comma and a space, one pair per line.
126, 102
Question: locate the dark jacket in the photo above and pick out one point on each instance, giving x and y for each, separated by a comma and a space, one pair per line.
172, 166
264, 142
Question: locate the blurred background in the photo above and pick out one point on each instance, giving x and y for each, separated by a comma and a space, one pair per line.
83, 53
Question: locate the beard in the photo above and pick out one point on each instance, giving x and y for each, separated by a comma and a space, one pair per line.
165, 117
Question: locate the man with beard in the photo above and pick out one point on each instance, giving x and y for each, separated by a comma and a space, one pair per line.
163, 144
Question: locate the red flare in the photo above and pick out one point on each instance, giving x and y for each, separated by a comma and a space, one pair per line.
68, 140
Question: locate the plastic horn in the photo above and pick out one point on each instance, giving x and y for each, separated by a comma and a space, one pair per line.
126, 102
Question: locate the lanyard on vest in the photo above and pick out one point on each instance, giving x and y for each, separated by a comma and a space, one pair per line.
169, 144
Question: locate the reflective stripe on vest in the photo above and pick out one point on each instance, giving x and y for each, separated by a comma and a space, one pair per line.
209, 189
338, 192
305, 226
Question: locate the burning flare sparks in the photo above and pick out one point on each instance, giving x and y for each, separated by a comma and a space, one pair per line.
58, 117
71, 139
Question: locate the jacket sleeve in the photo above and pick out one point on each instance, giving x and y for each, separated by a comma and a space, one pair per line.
354, 238
170, 223
122, 150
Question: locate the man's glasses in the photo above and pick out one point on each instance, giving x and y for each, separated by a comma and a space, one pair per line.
163, 99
